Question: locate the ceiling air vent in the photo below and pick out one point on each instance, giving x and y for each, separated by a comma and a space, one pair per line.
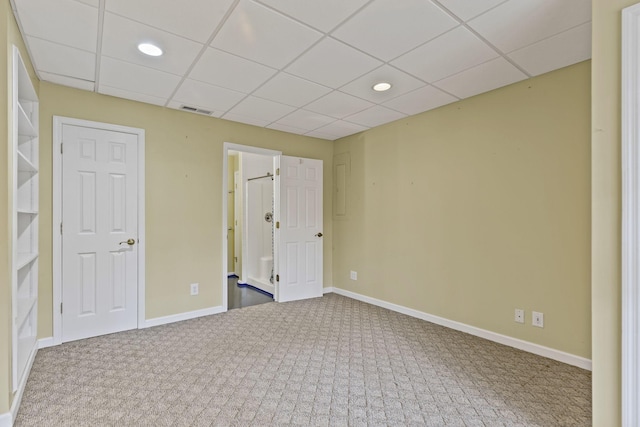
196, 110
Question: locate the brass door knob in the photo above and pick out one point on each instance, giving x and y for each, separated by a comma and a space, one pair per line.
129, 242
319, 235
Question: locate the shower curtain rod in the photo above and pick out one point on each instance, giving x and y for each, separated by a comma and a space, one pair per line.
268, 175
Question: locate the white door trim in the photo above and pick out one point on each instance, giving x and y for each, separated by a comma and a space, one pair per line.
58, 122
229, 146
630, 216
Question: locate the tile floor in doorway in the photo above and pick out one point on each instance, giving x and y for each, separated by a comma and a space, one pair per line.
244, 296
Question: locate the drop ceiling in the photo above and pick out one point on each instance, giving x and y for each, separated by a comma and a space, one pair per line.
302, 66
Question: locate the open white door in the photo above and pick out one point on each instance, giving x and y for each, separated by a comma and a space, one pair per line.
299, 249
99, 232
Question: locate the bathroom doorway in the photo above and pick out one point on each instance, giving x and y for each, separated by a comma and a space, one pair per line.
285, 260
250, 228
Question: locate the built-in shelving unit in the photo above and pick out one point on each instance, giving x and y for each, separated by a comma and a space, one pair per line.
25, 220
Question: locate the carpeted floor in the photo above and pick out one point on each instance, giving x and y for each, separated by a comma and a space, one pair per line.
325, 361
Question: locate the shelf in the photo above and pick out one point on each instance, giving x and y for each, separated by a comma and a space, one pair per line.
25, 259
25, 305
25, 86
24, 161
25, 127
24, 165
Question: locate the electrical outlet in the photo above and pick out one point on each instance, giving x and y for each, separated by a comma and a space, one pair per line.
353, 275
194, 289
537, 319
519, 315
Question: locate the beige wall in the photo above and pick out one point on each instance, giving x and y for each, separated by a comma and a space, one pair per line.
606, 211
9, 36
477, 208
183, 193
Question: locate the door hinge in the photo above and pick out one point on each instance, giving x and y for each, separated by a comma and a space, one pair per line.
60, 228
277, 224
277, 277
60, 308
278, 172
61, 144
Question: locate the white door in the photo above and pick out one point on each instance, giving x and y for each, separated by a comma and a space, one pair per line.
299, 254
99, 232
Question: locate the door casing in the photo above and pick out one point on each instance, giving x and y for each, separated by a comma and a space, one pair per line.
58, 122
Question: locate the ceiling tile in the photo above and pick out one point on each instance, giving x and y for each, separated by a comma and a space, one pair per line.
67, 81
423, 99
133, 96
247, 120
375, 116
339, 129
304, 119
323, 15
135, 78
94, 3
322, 135
555, 52
400, 83
285, 128
332, 64
338, 105
261, 109
230, 71
195, 21
448, 54
62, 60
482, 78
178, 106
121, 38
65, 22
257, 33
465, 9
291, 90
206, 96
516, 24
389, 28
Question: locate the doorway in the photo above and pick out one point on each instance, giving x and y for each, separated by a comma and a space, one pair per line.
98, 205
240, 163
250, 229
293, 258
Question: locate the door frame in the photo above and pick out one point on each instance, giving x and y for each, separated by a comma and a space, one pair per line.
226, 147
58, 123
630, 216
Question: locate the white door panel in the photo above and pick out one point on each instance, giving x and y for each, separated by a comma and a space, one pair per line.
300, 232
99, 214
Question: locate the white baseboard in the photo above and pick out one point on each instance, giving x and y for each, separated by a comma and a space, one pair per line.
157, 321
46, 342
327, 290
540, 350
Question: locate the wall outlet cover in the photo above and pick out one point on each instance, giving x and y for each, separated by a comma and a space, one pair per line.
353, 275
194, 289
537, 319
519, 315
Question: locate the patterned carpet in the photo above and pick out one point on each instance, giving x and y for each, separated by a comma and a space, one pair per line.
320, 362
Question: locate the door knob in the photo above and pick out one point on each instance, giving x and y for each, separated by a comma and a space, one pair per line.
319, 235
129, 242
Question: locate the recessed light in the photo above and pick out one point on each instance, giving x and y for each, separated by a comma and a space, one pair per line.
382, 86
149, 49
